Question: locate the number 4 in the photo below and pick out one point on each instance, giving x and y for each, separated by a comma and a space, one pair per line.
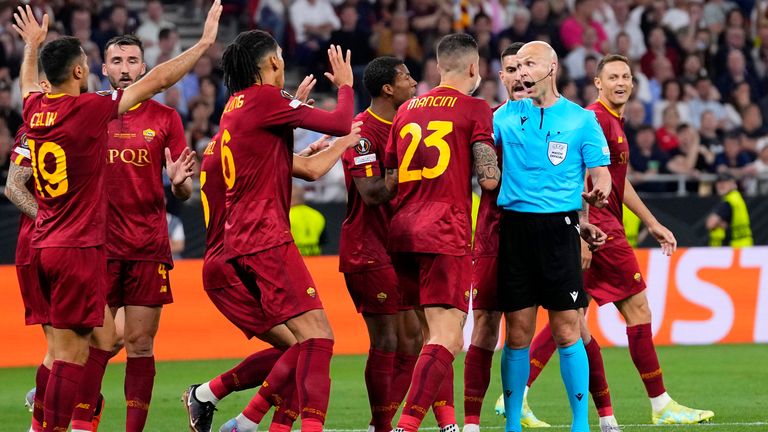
436, 139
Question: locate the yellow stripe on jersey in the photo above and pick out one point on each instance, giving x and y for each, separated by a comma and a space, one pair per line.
18, 160
368, 171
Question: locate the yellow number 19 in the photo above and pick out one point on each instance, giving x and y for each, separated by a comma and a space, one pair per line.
56, 180
436, 139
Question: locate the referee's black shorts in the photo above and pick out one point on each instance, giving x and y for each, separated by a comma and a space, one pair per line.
540, 262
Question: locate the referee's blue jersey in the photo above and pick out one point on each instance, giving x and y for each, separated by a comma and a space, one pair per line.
545, 152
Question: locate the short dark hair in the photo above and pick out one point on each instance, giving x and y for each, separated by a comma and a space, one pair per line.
124, 40
646, 128
512, 49
610, 58
380, 72
165, 33
241, 59
452, 48
58, 57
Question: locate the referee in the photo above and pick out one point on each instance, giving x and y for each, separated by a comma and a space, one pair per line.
547, 142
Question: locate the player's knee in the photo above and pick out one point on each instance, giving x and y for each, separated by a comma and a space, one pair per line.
384, 340
139, 345
636, 312
310, 325
565, 335
410, 343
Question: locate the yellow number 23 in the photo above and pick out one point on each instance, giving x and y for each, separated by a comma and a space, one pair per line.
436, 139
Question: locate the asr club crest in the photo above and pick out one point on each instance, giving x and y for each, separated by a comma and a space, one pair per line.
149, 135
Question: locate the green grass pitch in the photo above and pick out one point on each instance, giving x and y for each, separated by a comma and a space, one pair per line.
731, 380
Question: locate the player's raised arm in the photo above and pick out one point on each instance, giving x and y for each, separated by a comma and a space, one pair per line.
486, 165
168, 73
33, 35
335, 122
313, 167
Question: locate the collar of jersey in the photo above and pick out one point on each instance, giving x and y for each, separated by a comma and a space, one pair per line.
54, 96
373, 114
135, 107
614, 113
448, 87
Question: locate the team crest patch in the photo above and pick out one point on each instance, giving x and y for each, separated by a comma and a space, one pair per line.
311, 292
556, 152
149, 135
363, 146
381, 297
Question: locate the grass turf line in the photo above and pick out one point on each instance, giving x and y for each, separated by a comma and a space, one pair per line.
728, 379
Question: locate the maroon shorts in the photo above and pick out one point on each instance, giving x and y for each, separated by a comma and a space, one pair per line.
231, 298
138, 283
434, 280
614, 274
36, 309
280, 282
374, 291
484, 278
72, 282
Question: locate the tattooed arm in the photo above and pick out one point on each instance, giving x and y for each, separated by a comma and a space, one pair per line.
486, 166
16, 190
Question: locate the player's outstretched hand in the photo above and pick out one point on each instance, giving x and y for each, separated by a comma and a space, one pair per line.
594, 236
596, 197
28, 28
353, 138
665, 238
181, 169
321, 144
341, 68
305, 88
211, 27
586, 255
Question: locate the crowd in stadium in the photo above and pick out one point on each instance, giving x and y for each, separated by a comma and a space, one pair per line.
93, 257
701, 68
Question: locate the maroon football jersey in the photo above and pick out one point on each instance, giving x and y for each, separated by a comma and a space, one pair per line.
610, 217
257, 158
213, 197
20, 156
431, 147
363, 243
137, 228
487, 229
67, 141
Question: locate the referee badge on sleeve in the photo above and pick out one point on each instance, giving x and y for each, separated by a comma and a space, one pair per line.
556, 152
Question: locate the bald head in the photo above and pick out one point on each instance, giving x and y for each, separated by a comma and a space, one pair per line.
456, 52
539, 50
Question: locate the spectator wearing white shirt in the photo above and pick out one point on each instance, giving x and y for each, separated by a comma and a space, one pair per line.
574, 61
671, 95
313, 21
152, 23
167, 47
707, 98
623, 24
